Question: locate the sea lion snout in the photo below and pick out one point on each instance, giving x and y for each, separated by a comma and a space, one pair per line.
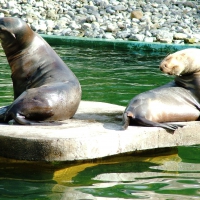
161, 69
165, 68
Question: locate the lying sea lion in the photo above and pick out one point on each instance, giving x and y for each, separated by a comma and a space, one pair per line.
177, 101
45, 89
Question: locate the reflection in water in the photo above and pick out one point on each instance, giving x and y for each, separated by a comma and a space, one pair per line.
159, 177
42, 180
114, 77
154, 176
170, 180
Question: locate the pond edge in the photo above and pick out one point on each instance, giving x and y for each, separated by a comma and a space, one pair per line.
115, 44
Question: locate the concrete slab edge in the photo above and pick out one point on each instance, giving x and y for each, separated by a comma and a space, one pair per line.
92, 133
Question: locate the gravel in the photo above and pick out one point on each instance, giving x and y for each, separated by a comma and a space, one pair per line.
167, 21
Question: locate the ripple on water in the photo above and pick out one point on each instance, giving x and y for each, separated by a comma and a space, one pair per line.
113, 77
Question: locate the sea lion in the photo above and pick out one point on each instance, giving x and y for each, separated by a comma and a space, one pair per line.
158, 107
45, 89
177, 101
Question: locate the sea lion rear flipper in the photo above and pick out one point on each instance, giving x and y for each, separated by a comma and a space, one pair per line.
126, 121
20, 119
145, 122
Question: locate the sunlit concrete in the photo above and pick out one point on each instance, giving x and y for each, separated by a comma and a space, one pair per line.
94, 132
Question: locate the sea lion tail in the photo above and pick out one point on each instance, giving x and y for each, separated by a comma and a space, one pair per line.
126, 119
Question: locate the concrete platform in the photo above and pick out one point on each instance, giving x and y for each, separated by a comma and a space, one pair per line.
94, 132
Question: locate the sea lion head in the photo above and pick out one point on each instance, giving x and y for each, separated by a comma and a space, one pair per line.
173, 64
183, 62
15, 34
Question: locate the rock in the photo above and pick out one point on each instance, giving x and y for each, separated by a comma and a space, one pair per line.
178, 41
95, 25
119, 7
197, 36
155, 5
164, 36
74, 25
7, 12
86, 26
189, 4
39, 4
125, 17
34, 25
138, 14
135, 20
108, 36
30, 20
121, 25
123, 34
111, 28
180, 36
15, 11
148, 39
51, 14
50, 25
190, 40
11, 4
110, 10
71, 14
31, 1
91, 18
91, 33
67, 32
136, 37
42, 27
61, 24
165, 40
148, 33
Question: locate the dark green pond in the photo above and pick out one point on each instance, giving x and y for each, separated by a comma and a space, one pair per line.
105, 75
114, 77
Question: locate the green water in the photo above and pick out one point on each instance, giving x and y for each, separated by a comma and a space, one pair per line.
105, 75
114, 77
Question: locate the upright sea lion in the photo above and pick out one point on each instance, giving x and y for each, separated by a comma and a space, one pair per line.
177, 101
45, 89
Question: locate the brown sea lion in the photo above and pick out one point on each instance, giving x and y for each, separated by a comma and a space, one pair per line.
177, 101
45, 89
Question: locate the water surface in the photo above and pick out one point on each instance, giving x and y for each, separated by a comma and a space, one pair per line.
114, 77
105, 75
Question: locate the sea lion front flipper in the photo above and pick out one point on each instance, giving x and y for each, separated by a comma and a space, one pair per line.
3, 111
